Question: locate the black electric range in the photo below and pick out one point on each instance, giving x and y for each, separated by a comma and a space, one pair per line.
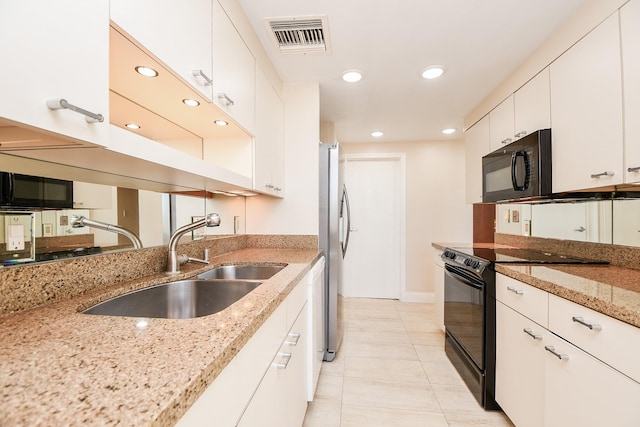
470, 310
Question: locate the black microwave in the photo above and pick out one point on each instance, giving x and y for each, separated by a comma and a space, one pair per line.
34, 192
520, 170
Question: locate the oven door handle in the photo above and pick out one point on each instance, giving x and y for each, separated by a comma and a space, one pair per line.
460, 276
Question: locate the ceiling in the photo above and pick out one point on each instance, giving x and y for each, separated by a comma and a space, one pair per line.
480, 42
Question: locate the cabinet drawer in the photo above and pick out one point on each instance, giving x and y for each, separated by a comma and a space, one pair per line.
295, 301
612, 341
525, 299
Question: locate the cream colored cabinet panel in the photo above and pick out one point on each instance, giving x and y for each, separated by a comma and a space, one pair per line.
179, 36
520, 367
586, 222
281, 398
315, 340
532, 105
269, 138
53, 51
586, 111
612, 341
501, 124
476, 145
582, 391
438, 285
630, 38
92, 196
526, 299
234, 75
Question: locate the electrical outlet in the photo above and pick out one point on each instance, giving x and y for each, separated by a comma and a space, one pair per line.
236, 225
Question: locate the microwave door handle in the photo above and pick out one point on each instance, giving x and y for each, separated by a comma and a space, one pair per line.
7, 184
514, 175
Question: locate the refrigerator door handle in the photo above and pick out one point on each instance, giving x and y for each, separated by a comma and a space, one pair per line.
345, 204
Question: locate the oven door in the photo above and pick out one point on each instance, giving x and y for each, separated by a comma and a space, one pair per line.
464, 311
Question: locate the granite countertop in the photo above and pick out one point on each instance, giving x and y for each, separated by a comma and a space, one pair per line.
608, 289
61, 367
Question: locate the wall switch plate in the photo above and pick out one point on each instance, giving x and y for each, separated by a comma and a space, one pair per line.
236, 224
15, 237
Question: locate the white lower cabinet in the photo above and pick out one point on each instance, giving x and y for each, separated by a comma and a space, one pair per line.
551, 377
438, 288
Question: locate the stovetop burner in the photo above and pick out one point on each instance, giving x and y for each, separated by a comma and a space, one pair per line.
518, 255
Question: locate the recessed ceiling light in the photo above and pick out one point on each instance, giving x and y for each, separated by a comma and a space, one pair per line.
352, 76
190, 102
132, 126
448, 131
221, 122
377, 134
146, 71
432, 72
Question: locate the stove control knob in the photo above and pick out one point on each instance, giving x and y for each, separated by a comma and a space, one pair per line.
468, 262
476, 264
449, 254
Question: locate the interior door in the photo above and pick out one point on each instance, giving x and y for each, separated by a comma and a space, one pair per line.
372, 264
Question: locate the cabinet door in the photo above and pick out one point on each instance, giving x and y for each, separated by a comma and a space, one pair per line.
582, 391
501, 124
519, 367
51, 51
234, 72
476, 145
630, 38
179, 36
92, 196
269, 138
586, 111
532, 104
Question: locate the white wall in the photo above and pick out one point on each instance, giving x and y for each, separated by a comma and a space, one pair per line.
297, 213
436, 209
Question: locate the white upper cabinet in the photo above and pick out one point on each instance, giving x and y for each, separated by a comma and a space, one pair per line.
630, 33
532, 105
234, 72
586, 111
476, 145
269, 138
53, 51
501, 124
179, 36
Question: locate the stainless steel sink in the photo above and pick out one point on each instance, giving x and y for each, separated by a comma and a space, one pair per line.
183, 299
242, 272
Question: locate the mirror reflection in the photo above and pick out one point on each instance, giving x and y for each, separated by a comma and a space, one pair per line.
613, 221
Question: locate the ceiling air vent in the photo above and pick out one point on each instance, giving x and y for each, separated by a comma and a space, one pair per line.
299, 35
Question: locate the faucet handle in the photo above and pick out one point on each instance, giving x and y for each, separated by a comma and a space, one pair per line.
183, 259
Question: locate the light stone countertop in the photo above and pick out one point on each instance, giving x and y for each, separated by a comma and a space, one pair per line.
60, 367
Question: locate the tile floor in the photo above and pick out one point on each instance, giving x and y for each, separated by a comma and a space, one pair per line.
392, 371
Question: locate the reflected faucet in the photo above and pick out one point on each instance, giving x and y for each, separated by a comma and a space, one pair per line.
174, 260
82, 221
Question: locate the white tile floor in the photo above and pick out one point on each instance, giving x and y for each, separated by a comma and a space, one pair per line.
392, 371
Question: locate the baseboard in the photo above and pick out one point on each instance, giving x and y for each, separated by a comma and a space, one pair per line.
421, 297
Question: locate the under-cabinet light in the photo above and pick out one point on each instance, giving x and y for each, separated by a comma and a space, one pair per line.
146, 71
221, 122
190, 102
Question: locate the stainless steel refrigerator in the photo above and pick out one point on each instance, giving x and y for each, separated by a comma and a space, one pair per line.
333, 239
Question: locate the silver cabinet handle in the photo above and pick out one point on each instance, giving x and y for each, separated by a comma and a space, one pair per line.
225, 99
292, 339
592, 326
353, 229
269, 186
634, 169
58, 104
551, 349
515, 291
521, 133
529, 332
605, 173
286, 358
277, 188
199, 73
580, 229
506, 141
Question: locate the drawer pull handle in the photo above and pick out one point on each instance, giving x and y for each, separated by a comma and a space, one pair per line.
286, 358
199, 73
551, 349
225, 99
529, 332
592, 326
292, 339
634, 169
506, 141
521, 134
515, 291
58, 104
605, 173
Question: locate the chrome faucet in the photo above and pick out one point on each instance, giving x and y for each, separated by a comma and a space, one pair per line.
82, 221
174, 260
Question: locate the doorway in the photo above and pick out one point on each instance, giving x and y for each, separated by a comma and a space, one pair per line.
374, 265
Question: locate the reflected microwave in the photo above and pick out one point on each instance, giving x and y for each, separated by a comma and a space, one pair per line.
34, 192
520, 170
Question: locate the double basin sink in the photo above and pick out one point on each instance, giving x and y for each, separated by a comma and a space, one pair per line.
207, 293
